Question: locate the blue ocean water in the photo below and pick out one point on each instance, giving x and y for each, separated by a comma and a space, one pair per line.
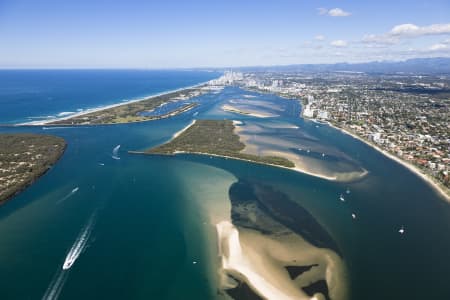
146, 226
30, 95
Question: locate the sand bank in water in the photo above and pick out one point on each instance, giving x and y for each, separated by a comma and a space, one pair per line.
256, 143
248, 112
260, 261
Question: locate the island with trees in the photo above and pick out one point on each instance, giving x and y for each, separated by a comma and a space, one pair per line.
213, 137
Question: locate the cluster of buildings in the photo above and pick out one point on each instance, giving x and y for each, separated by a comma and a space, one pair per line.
407, 115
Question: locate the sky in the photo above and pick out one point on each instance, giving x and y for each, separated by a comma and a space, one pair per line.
210, 33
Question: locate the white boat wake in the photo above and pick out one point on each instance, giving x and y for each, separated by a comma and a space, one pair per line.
68, 195
56, 285
115, 152
79, 245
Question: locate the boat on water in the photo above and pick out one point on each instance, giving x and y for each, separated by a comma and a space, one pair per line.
68, 263
341, 197
402, 230
115, 152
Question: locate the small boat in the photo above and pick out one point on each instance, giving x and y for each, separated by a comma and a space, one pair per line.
323, 154
347, 191
115, 152
341, 198
402, 230
353, 215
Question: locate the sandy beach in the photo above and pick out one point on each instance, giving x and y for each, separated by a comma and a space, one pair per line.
176, 134
97, 109
407, 165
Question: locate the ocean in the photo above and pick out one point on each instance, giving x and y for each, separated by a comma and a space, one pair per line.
142, 227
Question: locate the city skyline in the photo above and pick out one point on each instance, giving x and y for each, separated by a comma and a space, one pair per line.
175, 34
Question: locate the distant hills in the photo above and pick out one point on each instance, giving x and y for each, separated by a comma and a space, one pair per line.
439, 65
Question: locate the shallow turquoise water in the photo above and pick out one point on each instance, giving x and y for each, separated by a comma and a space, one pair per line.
149, 230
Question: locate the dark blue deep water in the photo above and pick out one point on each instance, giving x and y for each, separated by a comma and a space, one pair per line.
27, 95
145, 223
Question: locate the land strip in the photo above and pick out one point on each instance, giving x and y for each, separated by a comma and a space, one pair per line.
24, 158
134, 111
214, 137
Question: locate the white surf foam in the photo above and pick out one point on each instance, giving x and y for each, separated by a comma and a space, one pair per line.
66, 113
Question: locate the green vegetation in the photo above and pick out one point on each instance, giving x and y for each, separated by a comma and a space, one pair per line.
130, 112
214, 137
24, 158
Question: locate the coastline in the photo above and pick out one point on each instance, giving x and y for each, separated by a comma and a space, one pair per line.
430, 181
26, 184
295, 169
232, 109
176, 134
101, 108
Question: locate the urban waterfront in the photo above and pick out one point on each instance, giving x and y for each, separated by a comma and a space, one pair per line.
148, 222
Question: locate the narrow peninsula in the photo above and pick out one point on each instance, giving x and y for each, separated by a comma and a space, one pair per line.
24, 158
135, 111
214, 137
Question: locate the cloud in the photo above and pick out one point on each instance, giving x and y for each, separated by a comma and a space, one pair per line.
439, 47
411, 30
319, 37
339, 43
380, 39
334, 12
406, 31
337, 12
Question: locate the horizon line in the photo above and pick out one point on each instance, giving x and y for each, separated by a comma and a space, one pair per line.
217, 67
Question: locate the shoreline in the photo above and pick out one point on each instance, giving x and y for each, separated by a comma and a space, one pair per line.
176, 134
295, 169
232, 109
26, 184
425, 177
105, 107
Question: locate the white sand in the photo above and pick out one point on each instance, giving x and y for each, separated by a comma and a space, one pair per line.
176, 134
253, 145
260, 261
253, 113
